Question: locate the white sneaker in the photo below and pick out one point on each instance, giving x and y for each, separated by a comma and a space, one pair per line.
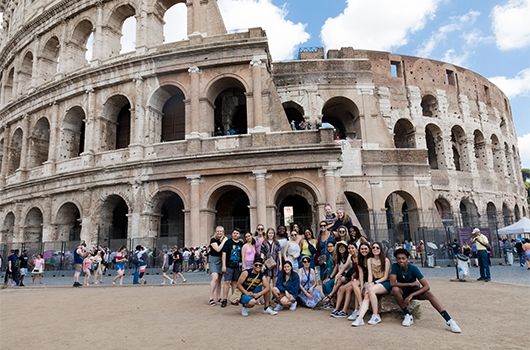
454, 326
278, 307
244, 311
293, 306
270, 311
408, 320
375, 319
353, 315
358, 322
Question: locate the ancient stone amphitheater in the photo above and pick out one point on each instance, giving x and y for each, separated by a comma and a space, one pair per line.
172, 138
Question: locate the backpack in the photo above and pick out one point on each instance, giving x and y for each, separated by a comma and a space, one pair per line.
134, 259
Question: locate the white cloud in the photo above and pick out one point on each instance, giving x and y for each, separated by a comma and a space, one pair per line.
524, 150
377, 25
516, 86
510, 24
455, 58
284, 35
176, 27
456, 23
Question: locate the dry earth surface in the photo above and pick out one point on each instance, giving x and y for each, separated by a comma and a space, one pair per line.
492, 316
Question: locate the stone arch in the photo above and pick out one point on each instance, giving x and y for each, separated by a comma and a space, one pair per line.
116, 123
402, 217
524, 211
360, 210
435, 146
68, 221
73, 133
231, 207
496, 150
404, 134
169, 102
113, 220
444, 209
480, 150
49, 62
79, 43
25, 74
429, 106
39, 143
508, 158
168, 219
7, 234
302, 198
491, 213
33, 225
8, 86
469, 213
15, 151
343, 114
115, 40
294, 112
507, 214
516, 213
228, 95
177, 12
460, 148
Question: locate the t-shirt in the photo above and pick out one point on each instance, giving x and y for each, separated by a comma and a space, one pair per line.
455, 247
214, 252
186, 255
13, 258
411, 274
233, 253
23, 261
249, 283
177, 258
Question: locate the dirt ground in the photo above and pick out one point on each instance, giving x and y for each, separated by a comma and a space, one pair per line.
492, 316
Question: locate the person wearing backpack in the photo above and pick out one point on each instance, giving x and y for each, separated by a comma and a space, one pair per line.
12, 268
139, 259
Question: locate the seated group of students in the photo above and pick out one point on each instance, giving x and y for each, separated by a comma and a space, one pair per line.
362, 272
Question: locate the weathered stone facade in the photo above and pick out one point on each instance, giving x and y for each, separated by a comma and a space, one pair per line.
174, 138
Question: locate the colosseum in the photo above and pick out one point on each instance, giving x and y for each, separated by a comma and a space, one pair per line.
165, 141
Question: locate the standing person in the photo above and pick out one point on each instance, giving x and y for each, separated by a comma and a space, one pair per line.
120, 258
87, 268
308, 246
420, 250
287, 288
23, 267
324, 238
259, 237
217, 243
291, 252
526, 247
281, 234
272, 255
483, 248
309, 294
177, 265
12, 268
254, 284
455, 248
248, 251
79, 256
38, 269
408, 283
186, 260
466, 249
139, 259
520, 252
231, 264
507, 247
167, 263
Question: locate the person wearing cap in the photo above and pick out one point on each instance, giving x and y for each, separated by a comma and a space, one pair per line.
254, 284
408, 283
483, 246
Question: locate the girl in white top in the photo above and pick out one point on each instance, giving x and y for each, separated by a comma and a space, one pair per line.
38, 269
291, 251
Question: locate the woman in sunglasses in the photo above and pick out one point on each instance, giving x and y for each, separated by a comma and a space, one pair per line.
287, 288
342, 234
324, 239
291, 251
308, 246
353, 273
309, 294
259, 237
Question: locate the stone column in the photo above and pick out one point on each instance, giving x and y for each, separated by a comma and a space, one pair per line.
53, 148
261, 196
90, 129
194, 13
150, 27
194, 103
136, 147
5, 152
194, 236
329, 177
62, 57
47, 228
257, 102
99, 40
25, 148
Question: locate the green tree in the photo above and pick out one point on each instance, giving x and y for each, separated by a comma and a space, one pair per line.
526, 175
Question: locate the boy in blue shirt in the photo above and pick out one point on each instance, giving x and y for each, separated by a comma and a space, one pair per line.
409, 283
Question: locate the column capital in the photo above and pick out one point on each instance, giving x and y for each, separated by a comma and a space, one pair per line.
329, 170
193, 70
194, 179
89, 90
260, 173
256, 62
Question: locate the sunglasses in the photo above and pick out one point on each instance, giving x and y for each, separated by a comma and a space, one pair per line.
258, 265
342, 231
260, 229
376, 248
323, 225
305, 261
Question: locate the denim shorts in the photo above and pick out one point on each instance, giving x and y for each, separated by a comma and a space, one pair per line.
245, 299
231, 274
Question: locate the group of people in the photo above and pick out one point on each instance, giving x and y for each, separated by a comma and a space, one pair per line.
338, 270
18, 267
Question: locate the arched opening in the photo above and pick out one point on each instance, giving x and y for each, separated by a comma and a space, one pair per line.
360, 210
68, 223
33, 226
114, 221
459, 147
120, 34
343, 114
480, 151
25, 73
7, 234
496, 150
444, 210
296, 202
508, 158
79, 48
230, 101
404, 134
295, 114
73, 134
171, 125
8, 86
49, 62
429, 106
507, 215
516, 163
40, 143
169, 210
231, 208
435, 148
116, 123
14, 151
175, 21
402, 218
469, 213
517, 213
524, 211
491, 212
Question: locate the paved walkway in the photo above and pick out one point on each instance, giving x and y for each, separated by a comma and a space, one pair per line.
502, 274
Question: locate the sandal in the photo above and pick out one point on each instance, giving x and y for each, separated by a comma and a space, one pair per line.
211, 302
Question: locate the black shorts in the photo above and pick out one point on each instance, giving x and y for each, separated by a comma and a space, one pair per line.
177, 268
409, 290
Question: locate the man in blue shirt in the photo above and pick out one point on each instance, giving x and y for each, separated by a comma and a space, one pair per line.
409, 283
